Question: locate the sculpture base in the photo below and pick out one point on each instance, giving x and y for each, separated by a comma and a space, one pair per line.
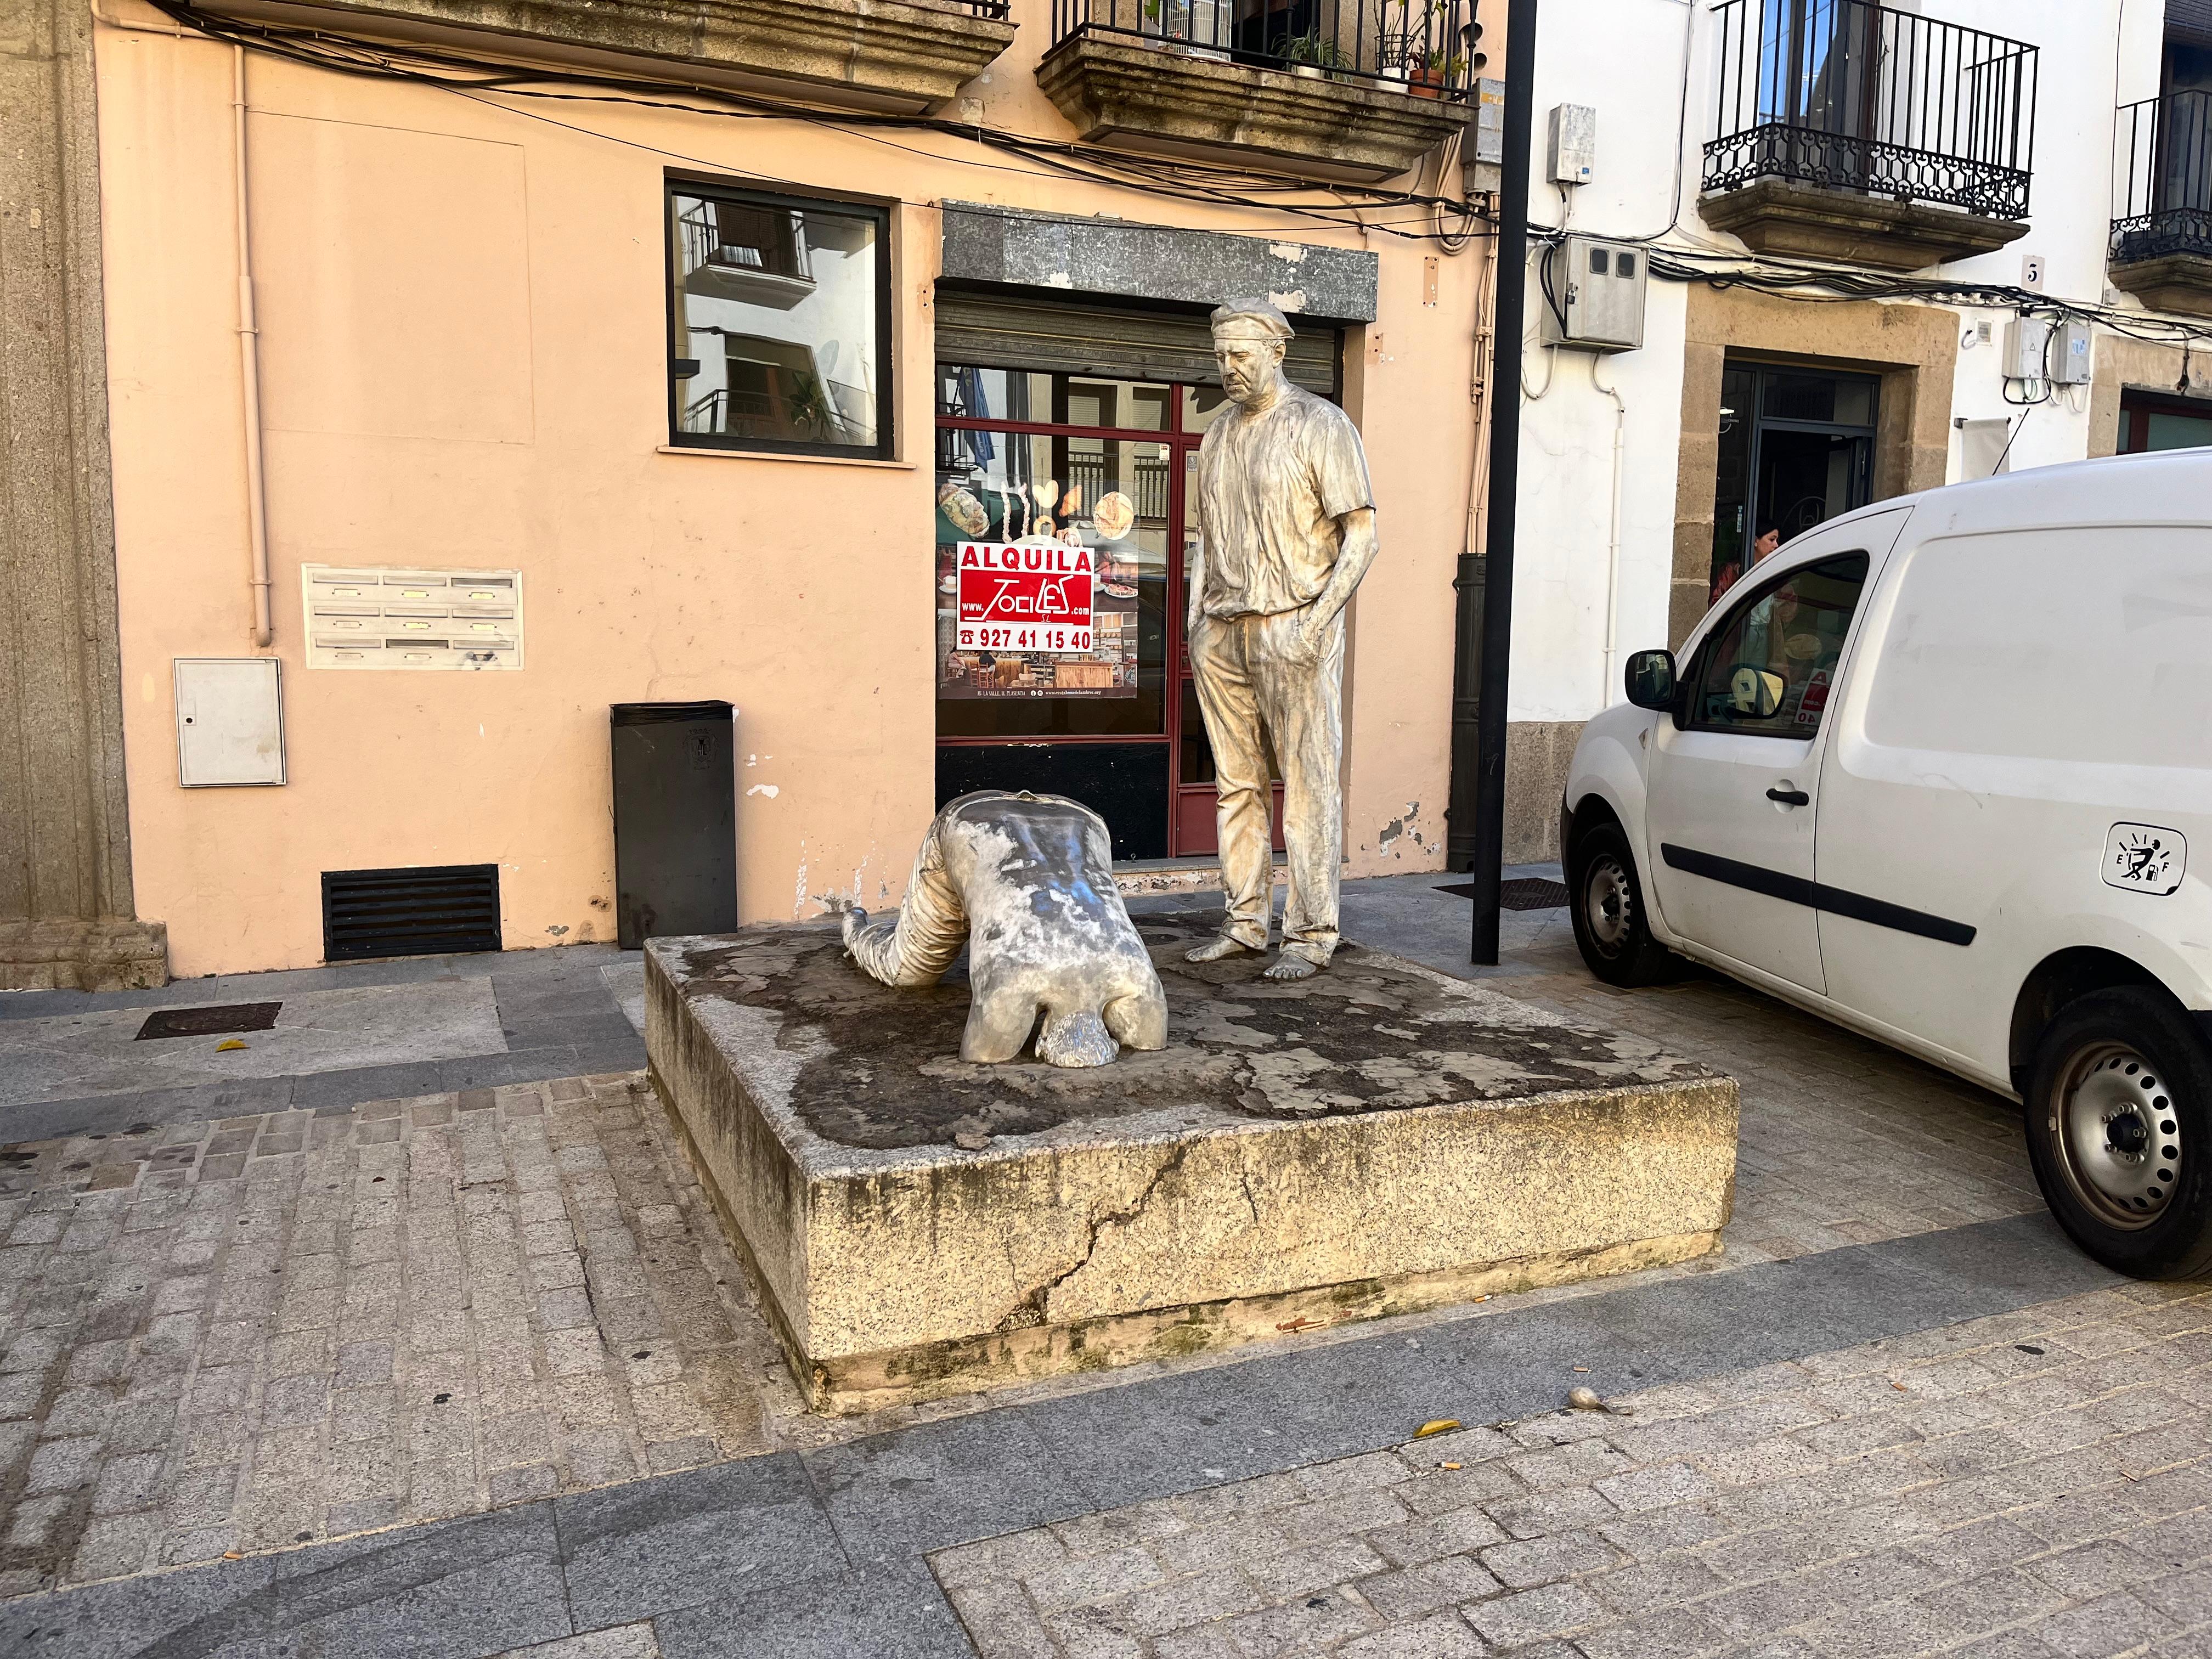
1376, 1139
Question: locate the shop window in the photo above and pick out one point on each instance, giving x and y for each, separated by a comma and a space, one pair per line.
780, 321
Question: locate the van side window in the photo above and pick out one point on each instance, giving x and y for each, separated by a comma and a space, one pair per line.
1768, 667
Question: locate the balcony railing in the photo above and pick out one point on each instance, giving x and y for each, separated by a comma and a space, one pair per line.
2165, 192
1845, 95
1421, 46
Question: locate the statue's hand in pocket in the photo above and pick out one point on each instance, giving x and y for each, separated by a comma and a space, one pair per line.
1309, 635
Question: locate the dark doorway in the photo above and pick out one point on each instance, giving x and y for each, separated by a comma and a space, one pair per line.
1797, 449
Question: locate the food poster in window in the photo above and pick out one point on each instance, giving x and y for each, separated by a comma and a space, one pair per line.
1047, 552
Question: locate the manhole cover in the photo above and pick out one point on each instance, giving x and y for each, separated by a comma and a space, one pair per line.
1522, 893
209, 1022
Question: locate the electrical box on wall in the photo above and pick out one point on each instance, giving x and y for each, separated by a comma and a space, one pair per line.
386, 617
1481, 164
1573, 143
2026, 348
1593, 296
2038, 348
2070, 355
230, 721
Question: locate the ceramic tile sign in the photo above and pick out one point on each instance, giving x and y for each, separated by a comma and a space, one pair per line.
1025, 597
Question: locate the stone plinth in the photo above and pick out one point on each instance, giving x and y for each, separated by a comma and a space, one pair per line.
1378, 1140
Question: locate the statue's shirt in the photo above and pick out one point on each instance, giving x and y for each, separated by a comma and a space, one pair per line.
1271, 488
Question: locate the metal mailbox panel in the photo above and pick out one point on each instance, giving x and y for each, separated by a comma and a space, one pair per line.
400, 617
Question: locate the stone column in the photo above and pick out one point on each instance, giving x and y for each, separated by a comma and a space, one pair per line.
66, 915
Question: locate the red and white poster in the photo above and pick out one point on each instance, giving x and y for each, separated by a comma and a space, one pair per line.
1024, 597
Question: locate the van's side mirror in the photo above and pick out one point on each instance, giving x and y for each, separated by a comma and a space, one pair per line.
1651, 680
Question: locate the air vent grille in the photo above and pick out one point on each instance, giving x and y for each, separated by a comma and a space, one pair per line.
1521, 893
428, 910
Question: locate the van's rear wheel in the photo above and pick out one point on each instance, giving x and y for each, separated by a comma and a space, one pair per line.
2119, 1130
1606, 900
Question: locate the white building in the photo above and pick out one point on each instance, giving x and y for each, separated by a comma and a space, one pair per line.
1848, 212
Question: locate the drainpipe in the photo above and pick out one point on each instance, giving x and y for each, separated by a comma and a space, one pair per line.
1495, 576
249, 366
1612, 543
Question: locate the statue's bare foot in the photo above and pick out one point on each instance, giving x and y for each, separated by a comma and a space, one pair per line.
1287, 966
1215, 950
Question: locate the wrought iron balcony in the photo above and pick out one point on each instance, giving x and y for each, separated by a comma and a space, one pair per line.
2162, 195
1353, 88
1887, 108
1421, 46
2165, 154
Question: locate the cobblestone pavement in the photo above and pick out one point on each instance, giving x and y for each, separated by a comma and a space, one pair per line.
1842, 1140
2031, 1485
246, 1335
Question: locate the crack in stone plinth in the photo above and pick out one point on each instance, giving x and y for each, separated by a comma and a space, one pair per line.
1033, 1308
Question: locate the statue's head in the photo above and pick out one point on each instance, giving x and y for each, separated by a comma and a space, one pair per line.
1248, 339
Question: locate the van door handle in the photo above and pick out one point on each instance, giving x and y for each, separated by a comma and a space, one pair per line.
1790, 797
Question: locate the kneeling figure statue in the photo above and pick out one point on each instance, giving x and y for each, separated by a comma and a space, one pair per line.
1028, 880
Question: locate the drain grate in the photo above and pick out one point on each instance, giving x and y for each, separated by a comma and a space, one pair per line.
1522, 893
426, 910
209, 1021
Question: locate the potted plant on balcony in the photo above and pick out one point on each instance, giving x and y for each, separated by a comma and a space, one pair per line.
1403, 45
1314, 57
1436, 72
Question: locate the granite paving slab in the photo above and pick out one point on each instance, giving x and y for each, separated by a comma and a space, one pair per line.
97, 1053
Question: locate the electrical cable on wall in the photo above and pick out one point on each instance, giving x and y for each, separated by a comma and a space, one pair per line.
1818, 284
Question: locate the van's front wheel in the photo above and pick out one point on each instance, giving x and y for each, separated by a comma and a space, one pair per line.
2119, 1130
1612, 928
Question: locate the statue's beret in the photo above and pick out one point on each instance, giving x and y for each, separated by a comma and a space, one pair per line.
1261, 312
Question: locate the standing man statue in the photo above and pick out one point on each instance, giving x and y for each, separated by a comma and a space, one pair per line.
1286, 527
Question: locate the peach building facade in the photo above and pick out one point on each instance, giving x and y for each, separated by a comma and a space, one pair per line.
718, 392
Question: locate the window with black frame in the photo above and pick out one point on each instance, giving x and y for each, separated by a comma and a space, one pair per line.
779, 322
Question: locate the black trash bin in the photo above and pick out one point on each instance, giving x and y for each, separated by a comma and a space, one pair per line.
675, 819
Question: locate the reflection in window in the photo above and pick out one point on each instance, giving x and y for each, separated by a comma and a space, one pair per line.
1769, 666
779, 319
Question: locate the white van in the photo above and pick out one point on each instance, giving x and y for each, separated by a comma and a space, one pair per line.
1935, 770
